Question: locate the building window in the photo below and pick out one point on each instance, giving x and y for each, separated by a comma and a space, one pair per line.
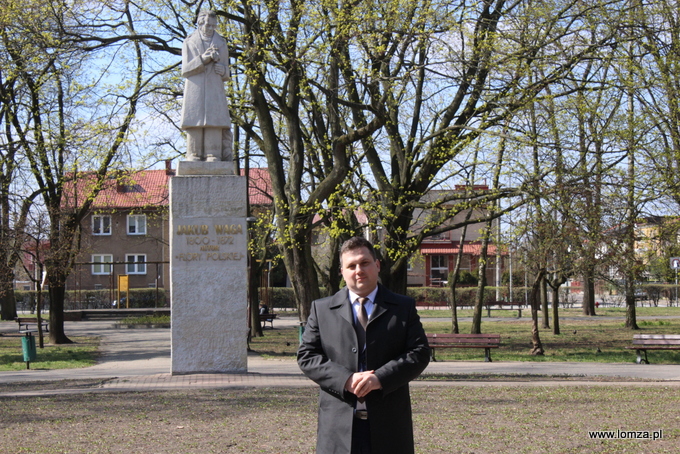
439, 269
136, 224
136, 264
101, 224
101, 263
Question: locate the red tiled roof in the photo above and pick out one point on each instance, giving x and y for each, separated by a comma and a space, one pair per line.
129, 190
474, 249
150, 188
259, 186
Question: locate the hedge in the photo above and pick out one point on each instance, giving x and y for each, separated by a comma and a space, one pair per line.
94, 299
282, 297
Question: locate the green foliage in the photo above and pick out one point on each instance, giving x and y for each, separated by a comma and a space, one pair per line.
96, 299
464, 278
517, 278
159, 319
465, 296
280, 297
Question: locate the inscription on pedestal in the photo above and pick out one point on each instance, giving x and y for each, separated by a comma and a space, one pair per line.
206, 243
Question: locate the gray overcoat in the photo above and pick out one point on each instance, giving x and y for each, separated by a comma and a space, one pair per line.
205, 101
396, 348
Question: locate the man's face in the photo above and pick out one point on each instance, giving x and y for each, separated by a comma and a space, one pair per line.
208, 27
360, 270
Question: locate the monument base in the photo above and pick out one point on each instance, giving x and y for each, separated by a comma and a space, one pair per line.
208, 267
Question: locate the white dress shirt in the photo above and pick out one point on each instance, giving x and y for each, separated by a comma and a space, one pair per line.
356, 305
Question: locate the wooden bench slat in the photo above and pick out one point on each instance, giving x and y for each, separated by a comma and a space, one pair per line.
644, 342
505, 306
656, 336
268, 318
656, 342
485, 341
26, 321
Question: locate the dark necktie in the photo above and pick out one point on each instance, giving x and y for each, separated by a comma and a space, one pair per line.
360, 328
363, 316
362, 321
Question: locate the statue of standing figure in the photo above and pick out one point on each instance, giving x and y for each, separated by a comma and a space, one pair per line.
205, 111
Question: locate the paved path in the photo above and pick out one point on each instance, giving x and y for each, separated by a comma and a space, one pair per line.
139, 359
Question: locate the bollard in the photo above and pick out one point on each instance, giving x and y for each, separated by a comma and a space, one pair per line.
28, 346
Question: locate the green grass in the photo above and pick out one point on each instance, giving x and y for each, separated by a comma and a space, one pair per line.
81, 353
146, 320
579, 341
563, 312
276, 342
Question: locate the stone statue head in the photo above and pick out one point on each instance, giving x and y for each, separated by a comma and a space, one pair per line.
207, 23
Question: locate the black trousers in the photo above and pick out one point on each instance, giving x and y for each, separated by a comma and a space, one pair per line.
361, 436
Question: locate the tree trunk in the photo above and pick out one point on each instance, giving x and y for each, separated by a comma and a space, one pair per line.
456, 271
537, 346
555, 310
57, 294
394, 277
254, 274
334, 277
481, 284
588, 294
38, 315
631, 321
300, 264
454, 312
544, 303
8, 304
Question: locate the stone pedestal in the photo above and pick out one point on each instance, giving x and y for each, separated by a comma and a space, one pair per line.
208, 267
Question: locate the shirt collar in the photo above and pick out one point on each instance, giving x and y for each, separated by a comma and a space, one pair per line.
371, 296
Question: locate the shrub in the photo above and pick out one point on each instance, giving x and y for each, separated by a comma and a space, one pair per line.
464, 278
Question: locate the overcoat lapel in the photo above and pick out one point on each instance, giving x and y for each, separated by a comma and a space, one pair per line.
341, 306
379, 307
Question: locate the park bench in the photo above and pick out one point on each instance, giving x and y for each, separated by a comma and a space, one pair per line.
485, 341
644, 342
504, 305
26, 322
264, 318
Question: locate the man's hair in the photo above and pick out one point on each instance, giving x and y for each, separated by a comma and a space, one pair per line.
204, 15
357, 242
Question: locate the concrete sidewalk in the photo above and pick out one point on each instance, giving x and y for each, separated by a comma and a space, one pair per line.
139, 360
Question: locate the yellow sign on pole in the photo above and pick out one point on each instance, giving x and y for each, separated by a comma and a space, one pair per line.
123, 287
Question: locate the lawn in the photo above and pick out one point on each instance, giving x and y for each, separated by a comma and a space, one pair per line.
460, 418
602, 338
81, 353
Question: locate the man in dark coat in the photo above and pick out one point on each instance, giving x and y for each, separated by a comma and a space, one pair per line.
364, 402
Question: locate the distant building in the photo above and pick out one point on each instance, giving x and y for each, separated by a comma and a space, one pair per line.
436, 257
437, 254
127, 230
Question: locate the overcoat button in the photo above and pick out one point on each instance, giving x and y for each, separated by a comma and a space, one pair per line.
354, 350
